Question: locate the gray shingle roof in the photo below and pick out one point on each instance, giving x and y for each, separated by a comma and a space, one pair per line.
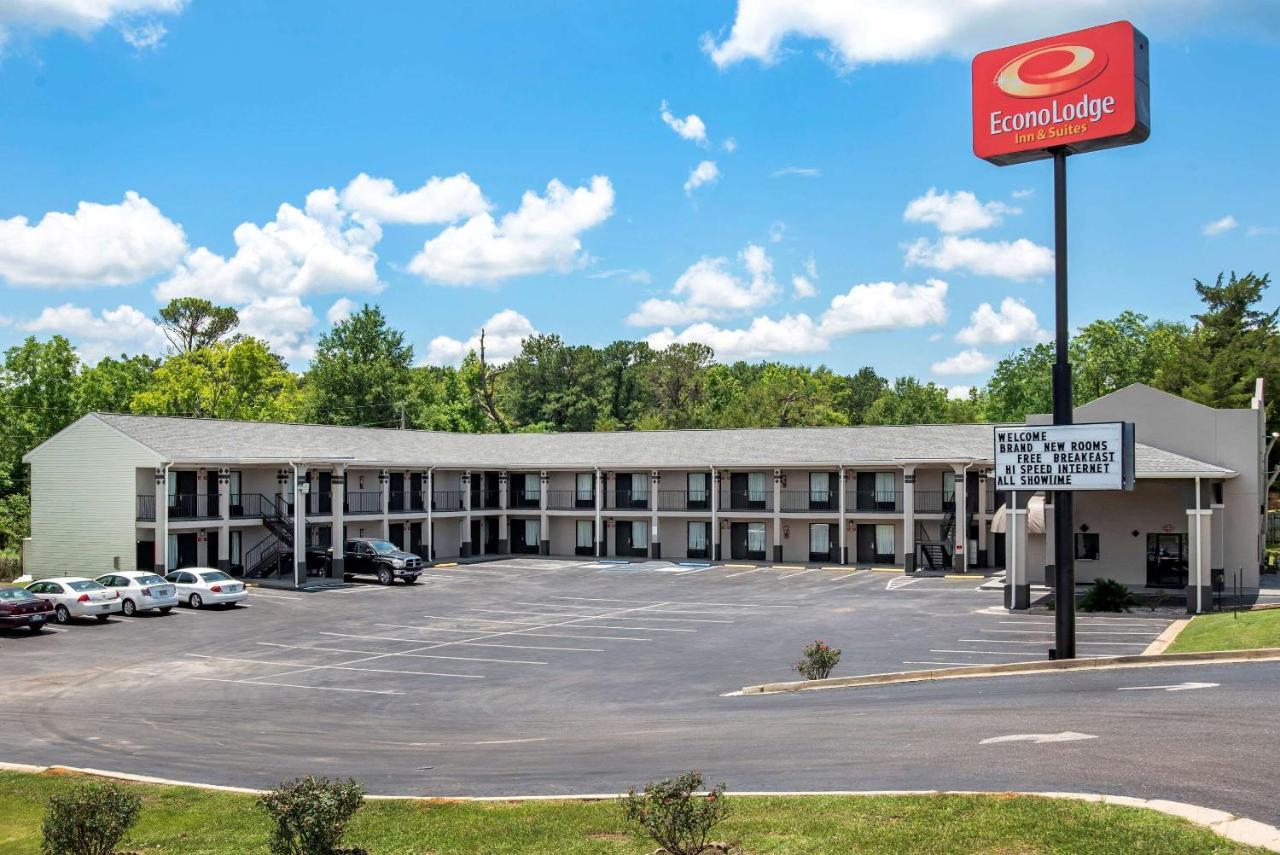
197, 440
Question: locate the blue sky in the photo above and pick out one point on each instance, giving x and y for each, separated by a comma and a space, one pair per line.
823, 127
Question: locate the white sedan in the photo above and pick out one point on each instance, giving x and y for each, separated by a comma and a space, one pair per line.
73, 597
141, 591
200, 586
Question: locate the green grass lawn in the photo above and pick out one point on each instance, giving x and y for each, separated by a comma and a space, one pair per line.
1228, 631
193, 822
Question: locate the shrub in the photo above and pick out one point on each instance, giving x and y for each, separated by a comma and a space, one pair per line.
818, 661
1108, 595
311, 814
674, 817
90, 819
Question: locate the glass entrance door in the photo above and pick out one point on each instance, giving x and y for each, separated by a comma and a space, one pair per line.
1166, 560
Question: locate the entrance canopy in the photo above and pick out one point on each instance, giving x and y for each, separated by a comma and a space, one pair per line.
1035, 517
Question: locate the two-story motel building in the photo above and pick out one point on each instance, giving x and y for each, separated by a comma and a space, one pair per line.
142, 491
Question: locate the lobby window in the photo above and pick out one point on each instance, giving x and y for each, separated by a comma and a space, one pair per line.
1086, 546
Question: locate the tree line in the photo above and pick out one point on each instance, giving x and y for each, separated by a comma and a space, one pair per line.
364, 373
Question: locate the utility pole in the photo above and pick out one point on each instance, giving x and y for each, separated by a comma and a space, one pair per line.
1064, 562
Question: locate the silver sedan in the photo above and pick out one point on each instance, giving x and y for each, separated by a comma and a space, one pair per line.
200, 586
74, 596
141, 591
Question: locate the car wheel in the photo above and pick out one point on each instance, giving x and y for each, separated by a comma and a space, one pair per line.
61, 615
128, 609
195, 601
102, 618
164, 610
385, 577
35, 628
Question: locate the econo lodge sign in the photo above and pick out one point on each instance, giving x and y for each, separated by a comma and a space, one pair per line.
1083, 91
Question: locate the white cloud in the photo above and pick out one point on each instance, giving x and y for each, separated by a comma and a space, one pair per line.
1019, 259
1013, 323
764, 337
342, 308
802, 287
439, 200
318, 249
503, 334
284, 322
123, 329
803, 171
706, 172
959, 393
644, 277
1220, 226
956, 213
886, 305
777, 231
86, 17
6, 321
964, 362
99, 244
730, 145
691, 127
1024, 193
541, 235
870, 31
1259, 231
708, 289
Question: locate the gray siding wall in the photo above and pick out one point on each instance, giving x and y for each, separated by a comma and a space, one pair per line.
84, 483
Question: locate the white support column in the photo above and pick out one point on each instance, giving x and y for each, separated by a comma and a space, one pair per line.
544, 534
600, 534
224, 516
909, 519
162, 521
655, 545
844, 523
777, 515
504, 522
1199, 581
1050, 536
1016, 585
715, 515
960, 558
338, 533
464, 549
384, 490
431, 525
981, 557
299, 527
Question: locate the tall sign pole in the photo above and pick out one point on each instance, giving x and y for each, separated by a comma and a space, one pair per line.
1051, 98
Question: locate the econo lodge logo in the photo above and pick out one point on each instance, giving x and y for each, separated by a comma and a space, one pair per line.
1048, 71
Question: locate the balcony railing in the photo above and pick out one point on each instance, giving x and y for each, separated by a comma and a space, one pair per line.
874, 500
369, 502
746, 500
245, 505
526, 498
800, 501
146, 507
684, 500
447, 500
193, 506
406, 501
485, 500
570, 500
627, 500
934, 501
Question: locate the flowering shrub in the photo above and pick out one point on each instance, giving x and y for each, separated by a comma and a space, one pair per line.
89, 820
818, 661
678, 820
310, 815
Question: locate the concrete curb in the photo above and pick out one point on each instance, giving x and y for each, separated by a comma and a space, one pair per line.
1265, 654
1235, 828
1164, 639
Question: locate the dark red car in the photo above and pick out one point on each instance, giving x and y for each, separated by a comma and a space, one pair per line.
20, 607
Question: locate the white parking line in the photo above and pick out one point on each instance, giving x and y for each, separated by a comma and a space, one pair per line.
258, 592
530, 634
931, 662
1109, 621
745, 572
801, 573
412, 655
1043, 641
587, 617
679, 603
839, 576
650, 611
336, 667
981, 652
1147, 634
635, 628
510, 741
298, 686
471, 643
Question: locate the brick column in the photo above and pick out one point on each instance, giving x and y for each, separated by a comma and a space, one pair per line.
224, 515
544, 535
162, 522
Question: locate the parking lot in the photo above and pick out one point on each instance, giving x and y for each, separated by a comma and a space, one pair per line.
528, 662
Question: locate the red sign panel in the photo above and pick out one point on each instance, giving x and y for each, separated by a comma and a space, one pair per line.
1083, 91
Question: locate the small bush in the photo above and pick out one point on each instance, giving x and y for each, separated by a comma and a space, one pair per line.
1108, 595
90, 819
678, 820
311, 814
818, 661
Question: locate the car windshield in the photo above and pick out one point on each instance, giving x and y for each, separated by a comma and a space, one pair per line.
86, 585
383, 547
15, 595
150, 580
215, 576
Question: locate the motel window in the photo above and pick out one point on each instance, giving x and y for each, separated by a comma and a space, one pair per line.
586, 534
586, 487
819, 538
639, 534
948, 486
819, 486
755, 537
1087, 546
234, 552
884, 541
697, 486
885, 487
531, 537
697, 536
639, 487
755, 488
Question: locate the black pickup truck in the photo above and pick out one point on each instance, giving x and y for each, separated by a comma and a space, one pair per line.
373, 556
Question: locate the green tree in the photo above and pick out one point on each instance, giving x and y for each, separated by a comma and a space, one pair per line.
910, 402
623, 393
225, 380
1107, 355
39, 392
439, 400
191, 323
855, 393
109, 386
361, 372
675, 380
551, 384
